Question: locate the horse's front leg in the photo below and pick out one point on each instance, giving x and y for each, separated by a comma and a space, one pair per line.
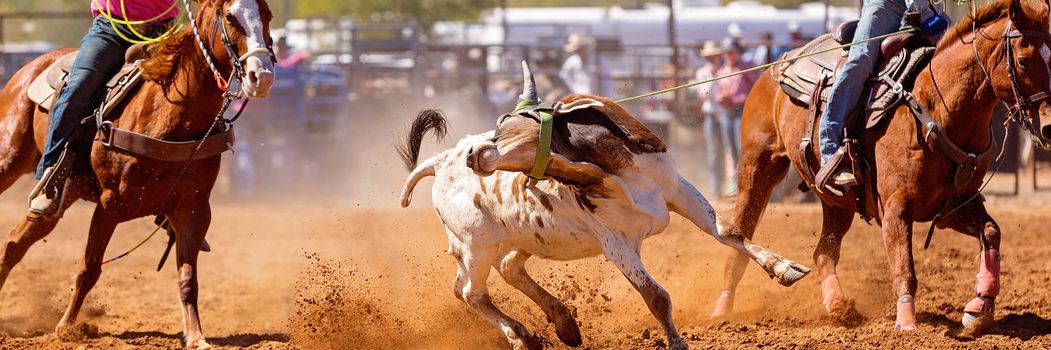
103, 223
190, 224
972, 219
897, 239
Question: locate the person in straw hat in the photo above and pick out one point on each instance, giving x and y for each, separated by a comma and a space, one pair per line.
574, 70
714, 116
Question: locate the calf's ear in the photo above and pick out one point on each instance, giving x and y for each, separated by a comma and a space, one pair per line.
578, 104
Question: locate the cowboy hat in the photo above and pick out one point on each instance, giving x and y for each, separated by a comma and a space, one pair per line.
576, 42
710, 49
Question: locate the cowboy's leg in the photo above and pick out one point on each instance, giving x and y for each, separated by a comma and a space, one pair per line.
101, 55
878, 17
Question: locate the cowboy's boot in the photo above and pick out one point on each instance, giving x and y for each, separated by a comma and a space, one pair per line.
49, 194
836, 176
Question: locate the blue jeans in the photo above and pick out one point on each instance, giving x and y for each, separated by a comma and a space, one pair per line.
722, 132
878, 17
101, 56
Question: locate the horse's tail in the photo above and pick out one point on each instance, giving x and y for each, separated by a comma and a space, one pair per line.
427, 120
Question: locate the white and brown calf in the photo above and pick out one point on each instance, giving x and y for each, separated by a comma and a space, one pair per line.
609, 184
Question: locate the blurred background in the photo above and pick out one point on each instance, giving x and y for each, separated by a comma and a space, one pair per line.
353, 73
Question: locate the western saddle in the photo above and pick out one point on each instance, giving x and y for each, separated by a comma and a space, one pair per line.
807, 82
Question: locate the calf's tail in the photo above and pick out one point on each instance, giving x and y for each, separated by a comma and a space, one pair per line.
428, 120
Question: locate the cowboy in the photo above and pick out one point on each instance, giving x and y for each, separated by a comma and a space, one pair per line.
878, 17
101, 55
574, 70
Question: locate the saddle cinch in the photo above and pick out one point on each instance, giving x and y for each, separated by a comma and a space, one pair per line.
44, 89
807, 81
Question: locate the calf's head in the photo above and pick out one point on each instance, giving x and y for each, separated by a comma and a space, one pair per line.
591, 136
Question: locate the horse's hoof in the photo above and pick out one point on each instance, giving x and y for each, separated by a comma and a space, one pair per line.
791, 272
724, 305
976, 324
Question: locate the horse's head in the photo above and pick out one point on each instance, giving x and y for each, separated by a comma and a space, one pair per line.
1021, 66
245, 25
587, 138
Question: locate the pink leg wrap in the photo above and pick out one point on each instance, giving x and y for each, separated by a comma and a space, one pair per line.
725, 304
906, 320
830, 288
987, 283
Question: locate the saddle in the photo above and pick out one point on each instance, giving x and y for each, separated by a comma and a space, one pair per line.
44, 90
807, 82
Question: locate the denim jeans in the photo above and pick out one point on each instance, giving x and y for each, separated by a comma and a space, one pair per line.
101, 55
722, 132
878, 17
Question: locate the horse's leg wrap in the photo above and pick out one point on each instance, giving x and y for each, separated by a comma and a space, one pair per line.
987, 284
906, 319
829, 288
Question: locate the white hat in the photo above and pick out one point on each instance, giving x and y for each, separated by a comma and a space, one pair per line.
576, 42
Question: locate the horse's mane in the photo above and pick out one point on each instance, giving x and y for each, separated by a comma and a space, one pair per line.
160, 66
981, 16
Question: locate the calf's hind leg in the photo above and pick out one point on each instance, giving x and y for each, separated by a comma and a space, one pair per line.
512, 268
477, 261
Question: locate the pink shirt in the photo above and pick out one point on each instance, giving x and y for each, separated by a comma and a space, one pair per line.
137, 9
733, 91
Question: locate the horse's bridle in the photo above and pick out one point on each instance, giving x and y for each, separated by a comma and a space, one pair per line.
237, 71
1019, 112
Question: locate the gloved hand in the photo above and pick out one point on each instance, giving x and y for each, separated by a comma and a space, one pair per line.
934, 25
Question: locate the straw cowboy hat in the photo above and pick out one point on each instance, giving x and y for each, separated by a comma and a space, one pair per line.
577, 41
710, 49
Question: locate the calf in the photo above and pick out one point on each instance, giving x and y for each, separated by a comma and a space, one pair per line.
609, 183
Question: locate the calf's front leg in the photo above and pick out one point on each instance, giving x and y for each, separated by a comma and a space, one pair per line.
691, 204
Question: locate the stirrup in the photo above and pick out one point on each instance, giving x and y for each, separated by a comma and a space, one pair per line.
48, 196
836, 177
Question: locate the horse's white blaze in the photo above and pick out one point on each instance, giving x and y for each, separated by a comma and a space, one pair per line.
258, 66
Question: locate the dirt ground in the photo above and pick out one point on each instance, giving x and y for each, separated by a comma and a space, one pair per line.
287, 275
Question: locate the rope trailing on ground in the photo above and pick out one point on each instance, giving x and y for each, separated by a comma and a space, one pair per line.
762, 67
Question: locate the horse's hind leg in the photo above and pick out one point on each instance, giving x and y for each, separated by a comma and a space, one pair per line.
512, 268
972, 219
826, 256
31, 229
102, 226
759, 171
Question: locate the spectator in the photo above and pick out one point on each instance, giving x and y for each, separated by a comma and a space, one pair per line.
764, 52
730, 93
714, 116
574, 70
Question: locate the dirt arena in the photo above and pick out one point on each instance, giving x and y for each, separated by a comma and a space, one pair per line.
293, 276
359, 272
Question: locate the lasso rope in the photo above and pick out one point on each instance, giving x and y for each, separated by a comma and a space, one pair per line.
124, 20
762, 66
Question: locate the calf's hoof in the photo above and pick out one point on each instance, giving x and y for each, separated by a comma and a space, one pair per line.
677, 344
197, 344
521, 339
788, 272
567, 329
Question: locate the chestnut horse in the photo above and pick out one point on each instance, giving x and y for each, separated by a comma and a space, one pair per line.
913, 178
178, 101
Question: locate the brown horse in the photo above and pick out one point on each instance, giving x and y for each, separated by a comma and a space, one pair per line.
1009, 40
178, 102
